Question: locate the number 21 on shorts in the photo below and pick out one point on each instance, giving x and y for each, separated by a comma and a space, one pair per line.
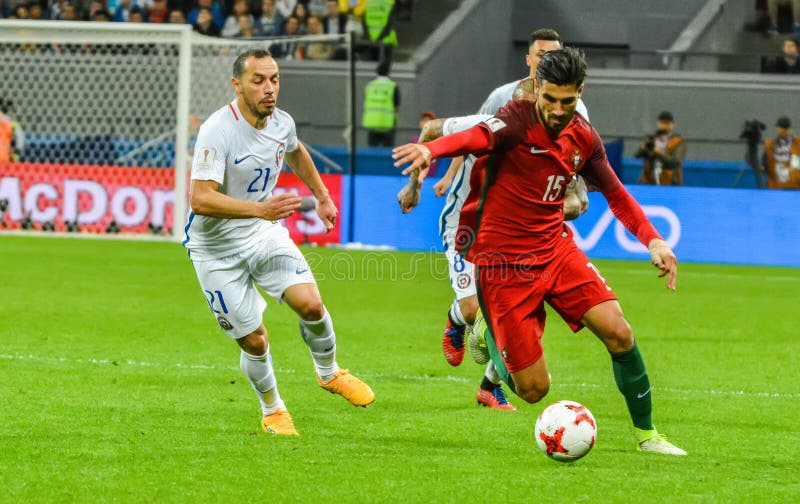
215, 298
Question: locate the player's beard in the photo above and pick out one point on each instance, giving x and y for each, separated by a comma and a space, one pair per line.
554, 128
261, 110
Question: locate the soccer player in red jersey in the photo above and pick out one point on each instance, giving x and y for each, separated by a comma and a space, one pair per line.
512, 228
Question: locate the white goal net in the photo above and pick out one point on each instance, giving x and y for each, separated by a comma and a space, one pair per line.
104, 116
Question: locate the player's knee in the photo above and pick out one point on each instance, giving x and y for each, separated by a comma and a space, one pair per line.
469, 308
311, 309
619, 336
533, 390
254, 343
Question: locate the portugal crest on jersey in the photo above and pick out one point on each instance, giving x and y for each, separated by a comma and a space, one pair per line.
576, 159
279, 153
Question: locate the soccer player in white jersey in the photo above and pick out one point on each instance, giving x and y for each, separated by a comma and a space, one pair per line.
236, 241
465, 312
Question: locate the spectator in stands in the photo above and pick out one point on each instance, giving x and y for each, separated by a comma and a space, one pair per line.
205, 23
177, 16
231, 28
119, 10
285, 7
335, 21
137, 15
316, 7
788, 62
12, 138
101, 15
68, 13
772, 8
246, 28
318, 50
353, 7
381, 101
270, 22
301, 13
35, 11
782, 157
288, 49
158, 12
214, 9
21, 11
379, 25
354, 10
55, 11
663, 153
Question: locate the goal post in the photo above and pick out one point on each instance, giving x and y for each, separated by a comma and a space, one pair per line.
110, 111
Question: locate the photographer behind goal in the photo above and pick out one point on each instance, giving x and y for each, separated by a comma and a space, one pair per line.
662, 153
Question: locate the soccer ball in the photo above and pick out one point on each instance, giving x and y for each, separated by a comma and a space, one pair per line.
566, 431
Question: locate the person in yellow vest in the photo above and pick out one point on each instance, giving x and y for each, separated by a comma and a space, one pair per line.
381, 100
378, 23
12, 138
662, 154
782, 157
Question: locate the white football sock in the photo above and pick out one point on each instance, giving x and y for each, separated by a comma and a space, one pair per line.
321, 341
258, 369
491, 374
456, 315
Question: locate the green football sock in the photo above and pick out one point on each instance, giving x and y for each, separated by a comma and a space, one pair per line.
631, 377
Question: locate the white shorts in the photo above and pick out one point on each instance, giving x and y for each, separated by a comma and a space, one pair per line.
229, 283
462, 275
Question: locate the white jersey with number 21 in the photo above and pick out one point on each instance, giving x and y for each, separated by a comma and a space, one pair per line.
246, 163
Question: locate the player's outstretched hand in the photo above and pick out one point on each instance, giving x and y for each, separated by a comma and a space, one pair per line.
664, 259
417, 154
408, 197
327, 211
280, 206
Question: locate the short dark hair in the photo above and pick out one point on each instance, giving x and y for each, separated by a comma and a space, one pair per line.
544, 34
238, 65
562, 66
783, 122
666, 116
383, 68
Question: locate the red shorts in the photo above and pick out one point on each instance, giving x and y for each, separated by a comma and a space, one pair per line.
512, 298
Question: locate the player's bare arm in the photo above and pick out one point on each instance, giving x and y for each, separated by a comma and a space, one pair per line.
408, 197
664, 259
440, 188
303, 166
205, 199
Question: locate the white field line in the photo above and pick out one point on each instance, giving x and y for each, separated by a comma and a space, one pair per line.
421, 378
699, 274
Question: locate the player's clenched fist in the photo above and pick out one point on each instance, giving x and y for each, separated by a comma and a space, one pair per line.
417, 154
280, 207
664, 259
327, 211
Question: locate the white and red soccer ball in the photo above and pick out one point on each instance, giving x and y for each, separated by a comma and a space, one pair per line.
566, 431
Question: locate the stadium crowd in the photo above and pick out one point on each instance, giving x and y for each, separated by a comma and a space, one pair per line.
370, 20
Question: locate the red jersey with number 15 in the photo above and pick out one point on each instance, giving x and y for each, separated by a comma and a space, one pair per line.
514, 212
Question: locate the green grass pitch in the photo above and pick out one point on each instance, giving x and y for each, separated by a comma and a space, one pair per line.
116, 385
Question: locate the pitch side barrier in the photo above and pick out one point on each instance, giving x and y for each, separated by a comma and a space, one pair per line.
735, 226
742, 226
